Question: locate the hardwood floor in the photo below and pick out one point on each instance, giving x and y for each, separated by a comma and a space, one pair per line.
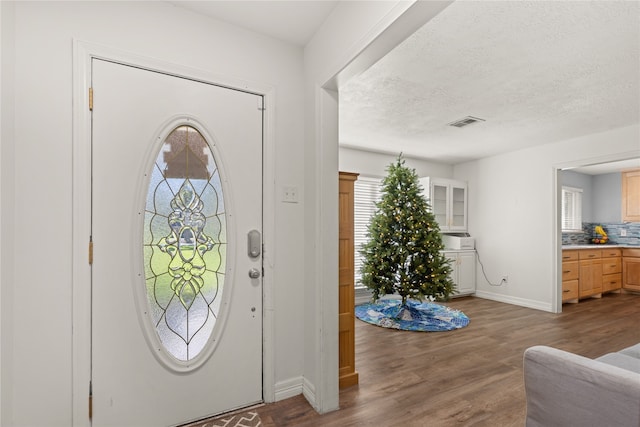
468, 377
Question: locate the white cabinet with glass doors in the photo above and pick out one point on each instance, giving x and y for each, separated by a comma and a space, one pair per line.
448, 201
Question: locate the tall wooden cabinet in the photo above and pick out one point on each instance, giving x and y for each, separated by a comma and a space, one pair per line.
346, 312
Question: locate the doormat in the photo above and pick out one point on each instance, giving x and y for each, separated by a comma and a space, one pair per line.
415, 316
242, 419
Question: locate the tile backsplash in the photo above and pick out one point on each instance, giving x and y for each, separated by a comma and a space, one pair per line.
614, 231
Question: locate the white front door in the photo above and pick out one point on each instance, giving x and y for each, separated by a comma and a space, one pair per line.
176, 292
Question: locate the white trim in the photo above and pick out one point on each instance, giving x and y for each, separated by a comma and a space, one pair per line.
289, 388
326, 391
523, 302
81, 272
309, 390
363, 296
556, 239
268, 240
606, 158
83, 53
556, 243
1, 215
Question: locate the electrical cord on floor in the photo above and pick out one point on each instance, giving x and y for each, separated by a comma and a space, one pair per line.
485, 274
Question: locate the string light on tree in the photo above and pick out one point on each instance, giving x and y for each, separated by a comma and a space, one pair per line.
403, 254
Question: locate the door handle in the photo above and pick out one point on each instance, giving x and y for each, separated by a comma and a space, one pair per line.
253, 244
254, 273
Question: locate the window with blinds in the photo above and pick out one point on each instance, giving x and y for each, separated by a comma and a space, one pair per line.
366, 194
571, 209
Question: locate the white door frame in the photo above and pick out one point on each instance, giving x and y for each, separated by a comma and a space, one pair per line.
83, 53
556, 207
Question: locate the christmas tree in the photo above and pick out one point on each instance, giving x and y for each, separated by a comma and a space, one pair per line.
403, 254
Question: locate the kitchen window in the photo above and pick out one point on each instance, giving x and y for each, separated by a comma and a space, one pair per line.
571, 210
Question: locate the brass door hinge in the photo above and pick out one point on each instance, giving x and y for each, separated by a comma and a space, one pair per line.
90, 250
90, 99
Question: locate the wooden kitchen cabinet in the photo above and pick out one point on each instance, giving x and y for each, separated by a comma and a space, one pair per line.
631, 195
631, 269
592, 272
611, 269
590, 281
570, 275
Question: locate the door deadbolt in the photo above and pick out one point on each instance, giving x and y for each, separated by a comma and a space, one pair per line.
253, 243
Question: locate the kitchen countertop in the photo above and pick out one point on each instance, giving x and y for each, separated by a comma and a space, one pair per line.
598, 246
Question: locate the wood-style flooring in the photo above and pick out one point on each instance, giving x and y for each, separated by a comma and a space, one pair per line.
468, 377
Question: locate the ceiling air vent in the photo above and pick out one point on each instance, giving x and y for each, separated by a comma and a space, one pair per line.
469, 120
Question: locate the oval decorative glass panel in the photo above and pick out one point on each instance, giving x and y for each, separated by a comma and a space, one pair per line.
185, 242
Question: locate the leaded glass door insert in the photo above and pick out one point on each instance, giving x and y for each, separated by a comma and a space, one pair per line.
185, 243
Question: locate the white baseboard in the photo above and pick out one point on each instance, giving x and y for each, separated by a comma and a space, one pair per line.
289, 388
363, 296
309, 392
523, 302
295, 386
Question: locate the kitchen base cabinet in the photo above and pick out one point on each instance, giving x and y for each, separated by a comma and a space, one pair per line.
463, 274
611, 269
570, 275
588, 273
590, 280
631, 269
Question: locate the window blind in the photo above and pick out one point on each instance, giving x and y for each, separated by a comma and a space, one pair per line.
366, 194
571, 209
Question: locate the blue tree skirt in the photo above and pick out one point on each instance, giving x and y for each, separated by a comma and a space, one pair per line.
415, 316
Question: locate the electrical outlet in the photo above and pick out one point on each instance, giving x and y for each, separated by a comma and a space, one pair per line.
505, 280
290, 194
623, 232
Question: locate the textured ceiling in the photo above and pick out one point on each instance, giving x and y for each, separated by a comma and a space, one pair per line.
536, 71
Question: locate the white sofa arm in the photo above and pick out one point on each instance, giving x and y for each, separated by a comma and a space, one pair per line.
564, 389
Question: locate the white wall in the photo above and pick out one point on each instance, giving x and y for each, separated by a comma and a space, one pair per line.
513, 212
374, 164
601, 196
606, 203
36, 336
